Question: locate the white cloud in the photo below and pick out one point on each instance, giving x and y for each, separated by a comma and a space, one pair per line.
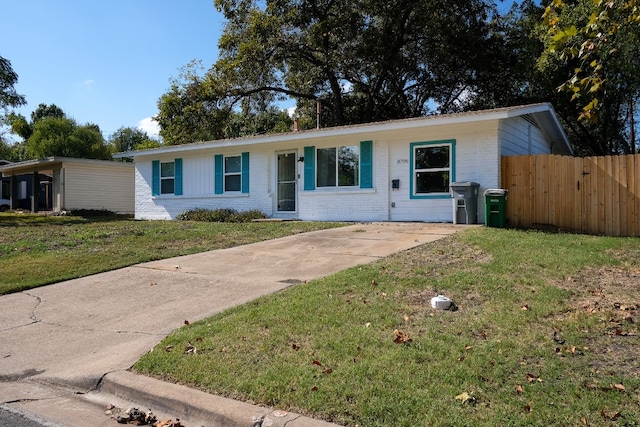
291, 111
150, 126
88, 83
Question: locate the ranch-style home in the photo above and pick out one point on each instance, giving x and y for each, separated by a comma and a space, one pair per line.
399, 170
65, 183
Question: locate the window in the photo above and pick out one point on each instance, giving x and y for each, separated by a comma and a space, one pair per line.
231, 173
338, 166
167, 178
432, 168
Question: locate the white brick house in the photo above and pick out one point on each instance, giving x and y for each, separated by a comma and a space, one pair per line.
388, 171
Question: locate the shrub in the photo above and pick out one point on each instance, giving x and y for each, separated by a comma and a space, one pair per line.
220, 215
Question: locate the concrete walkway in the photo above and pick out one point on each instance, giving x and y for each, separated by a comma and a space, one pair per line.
65, 348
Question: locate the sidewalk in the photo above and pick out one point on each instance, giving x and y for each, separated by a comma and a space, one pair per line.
65, 348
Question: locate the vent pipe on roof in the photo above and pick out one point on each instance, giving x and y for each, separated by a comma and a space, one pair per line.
296, 124
318, 108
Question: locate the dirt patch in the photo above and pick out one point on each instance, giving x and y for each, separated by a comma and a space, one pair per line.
612, 296
433, 259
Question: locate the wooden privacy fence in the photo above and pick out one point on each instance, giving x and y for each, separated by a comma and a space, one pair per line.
593, 195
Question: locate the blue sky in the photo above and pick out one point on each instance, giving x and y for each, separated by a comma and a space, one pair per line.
105, 62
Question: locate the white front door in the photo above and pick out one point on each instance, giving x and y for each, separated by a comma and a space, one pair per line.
287, 181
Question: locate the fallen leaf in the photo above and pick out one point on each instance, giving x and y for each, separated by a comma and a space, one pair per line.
524, 307
618, 387
314, 388
519, 389
467, 347
583, 420
190, 349
186, 322
528, 408
373, 282
465, 398
295, 346
571, 350
406, 318
400, 337
317, 363
168, 348
327, 371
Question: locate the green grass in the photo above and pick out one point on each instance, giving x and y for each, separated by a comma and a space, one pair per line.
546, 333
37, 250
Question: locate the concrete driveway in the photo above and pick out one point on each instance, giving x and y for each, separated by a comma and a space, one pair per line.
67, 346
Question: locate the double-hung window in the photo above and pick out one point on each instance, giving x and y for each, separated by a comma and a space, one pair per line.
432, 168
166, 177
338, 166
231, 173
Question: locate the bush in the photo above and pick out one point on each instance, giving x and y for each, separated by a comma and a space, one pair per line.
220, 215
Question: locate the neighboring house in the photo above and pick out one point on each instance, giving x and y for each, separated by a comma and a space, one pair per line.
74, 184
388, 171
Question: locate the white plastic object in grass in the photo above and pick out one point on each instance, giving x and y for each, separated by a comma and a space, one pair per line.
441, 302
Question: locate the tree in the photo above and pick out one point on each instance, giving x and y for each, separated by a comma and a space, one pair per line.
593, 40
8, 95
366, 61
192, 110
8, 78
363, 61
130, 139
21, 127
60, 136
596, 45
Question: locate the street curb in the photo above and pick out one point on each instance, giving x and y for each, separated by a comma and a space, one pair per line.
194, 407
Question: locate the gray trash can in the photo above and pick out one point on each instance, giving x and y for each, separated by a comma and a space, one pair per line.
465, 202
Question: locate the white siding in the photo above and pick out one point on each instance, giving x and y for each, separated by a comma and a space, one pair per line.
93, 186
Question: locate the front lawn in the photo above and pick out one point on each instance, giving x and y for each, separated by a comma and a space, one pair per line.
545, 333
37, 250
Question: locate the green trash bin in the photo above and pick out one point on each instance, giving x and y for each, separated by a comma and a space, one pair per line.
495, 208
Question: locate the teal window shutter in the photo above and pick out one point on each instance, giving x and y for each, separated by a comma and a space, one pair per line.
219, 174
366, 164
245, 172
155, 178
177, 175
310, 168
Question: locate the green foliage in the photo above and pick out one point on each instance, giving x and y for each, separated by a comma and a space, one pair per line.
8, 79
130, 139
220, 215
60, 136
593, 36
591, 50
365, 61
